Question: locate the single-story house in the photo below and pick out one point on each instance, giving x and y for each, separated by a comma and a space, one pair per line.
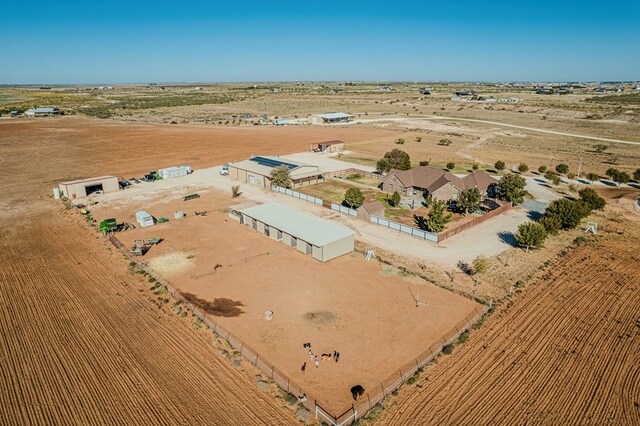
328, 147
440, 184
31, 112
257, 171
374, 208
334, 117
322, 239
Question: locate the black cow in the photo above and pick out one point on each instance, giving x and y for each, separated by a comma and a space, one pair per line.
357, 391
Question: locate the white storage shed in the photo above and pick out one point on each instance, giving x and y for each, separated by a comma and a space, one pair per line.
173, 172
144, 219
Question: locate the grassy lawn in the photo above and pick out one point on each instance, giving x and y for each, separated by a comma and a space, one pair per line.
333, 191
363, 180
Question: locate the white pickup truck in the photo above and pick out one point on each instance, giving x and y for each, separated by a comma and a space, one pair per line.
224, 171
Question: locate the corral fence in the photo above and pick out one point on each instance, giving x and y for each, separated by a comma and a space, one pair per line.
405, 229
349, 414
344, 210
295, 194
353, 171
474, 222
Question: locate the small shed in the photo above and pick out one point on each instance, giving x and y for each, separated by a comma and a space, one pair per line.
173, 172
84, 187
374, 208
329, 147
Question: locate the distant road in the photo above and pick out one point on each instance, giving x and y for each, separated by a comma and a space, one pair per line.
440, 117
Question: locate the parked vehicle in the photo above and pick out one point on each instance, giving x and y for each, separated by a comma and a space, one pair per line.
224, 171
108, 225
187, 168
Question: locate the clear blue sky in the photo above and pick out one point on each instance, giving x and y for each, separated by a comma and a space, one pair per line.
207, 41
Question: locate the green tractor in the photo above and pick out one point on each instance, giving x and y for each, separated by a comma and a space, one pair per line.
108, 225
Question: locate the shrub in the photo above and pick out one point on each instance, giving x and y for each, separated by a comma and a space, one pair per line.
592, 199
447, 349
395, 199
552, 177
500, 165
444, 142
542, 169
235, 191
593, 177
571, 176
418, 138
480, 265
600, 148
475, 166
523, 168
399, 141
451, 165
636, 174
562, 168
424, 163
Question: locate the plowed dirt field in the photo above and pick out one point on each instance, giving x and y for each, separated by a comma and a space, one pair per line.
80, 341
565, 351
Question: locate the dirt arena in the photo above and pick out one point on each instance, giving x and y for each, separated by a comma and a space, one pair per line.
565, 351
82, 342
363, 310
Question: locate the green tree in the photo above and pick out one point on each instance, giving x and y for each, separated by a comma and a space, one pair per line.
500, 165
592, 176
468, 200
621, 177
475, 166
552, 177
569, 212
523, 168
511, 188
436, 220
636, 175
600, 148
394, 159
542, 169
571, 176
280, 176
400, 141
531, 235
353, 198
424, 163
451, 165
592, 199
395, 199
562, 168
480, 265
552, 224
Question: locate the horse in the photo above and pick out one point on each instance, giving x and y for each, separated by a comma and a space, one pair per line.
357, 391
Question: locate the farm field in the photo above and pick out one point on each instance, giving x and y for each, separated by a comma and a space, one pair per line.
83, 340
563, 351
363, 310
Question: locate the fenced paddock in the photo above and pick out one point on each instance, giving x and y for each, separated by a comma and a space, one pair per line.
295, 194
405, 229
353, 171
474, 222
327, 388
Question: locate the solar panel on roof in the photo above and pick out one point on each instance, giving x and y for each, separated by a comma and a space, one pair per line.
270, 162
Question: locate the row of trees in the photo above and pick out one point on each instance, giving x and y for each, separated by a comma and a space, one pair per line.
562, 214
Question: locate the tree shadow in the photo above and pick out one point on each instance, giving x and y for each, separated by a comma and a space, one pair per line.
608, 183
534, 215
508, 238
634, 185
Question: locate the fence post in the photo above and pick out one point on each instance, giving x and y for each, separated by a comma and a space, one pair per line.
384, 394
256, 364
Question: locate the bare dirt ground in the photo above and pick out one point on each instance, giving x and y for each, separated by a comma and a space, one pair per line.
564, 351
82, 341
363, 310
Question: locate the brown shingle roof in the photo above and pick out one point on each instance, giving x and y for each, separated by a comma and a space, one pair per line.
373, 207
432, 179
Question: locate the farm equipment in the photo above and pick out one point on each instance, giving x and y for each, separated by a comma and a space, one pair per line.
124, 226
163, 220
190, 197
139, 248
203, 213
155, 241
108, 225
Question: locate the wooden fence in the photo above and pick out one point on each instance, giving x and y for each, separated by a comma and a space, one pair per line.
476, 221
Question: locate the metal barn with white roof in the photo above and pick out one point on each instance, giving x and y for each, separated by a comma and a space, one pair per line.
322, 239
257, 171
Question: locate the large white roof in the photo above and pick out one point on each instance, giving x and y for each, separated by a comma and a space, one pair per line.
309, 228
334, 115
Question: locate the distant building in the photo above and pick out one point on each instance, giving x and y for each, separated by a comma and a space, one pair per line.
425, 92
105, 88
198, 88
32, 112
330, 118
466, 94
509, 100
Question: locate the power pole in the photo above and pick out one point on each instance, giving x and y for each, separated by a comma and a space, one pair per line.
579, 167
